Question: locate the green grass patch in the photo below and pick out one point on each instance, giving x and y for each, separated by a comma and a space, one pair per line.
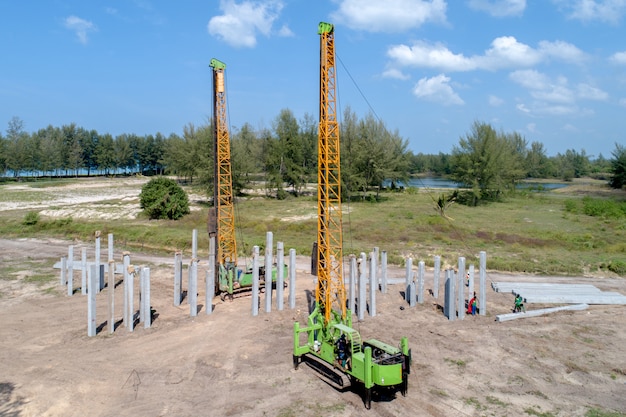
546, 235
457, 362
496, 401
39, 279
538, 394
531, 411
473, 401
8, 273
596, 412
39, 183
439, 393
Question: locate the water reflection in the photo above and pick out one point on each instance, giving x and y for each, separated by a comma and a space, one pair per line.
435, 182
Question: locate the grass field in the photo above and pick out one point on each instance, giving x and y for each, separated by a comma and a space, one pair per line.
541, 233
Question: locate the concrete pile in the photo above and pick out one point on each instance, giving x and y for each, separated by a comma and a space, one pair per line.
547, 293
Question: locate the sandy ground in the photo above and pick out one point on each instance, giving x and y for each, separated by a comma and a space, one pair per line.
232, 364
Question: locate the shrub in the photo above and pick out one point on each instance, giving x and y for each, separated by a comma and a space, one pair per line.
281, 194
618, 167
617, 266
602, 208
31, 218
62, 222
163, 198
571, 206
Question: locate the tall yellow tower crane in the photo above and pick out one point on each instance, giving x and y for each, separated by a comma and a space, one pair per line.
330, 291
222, 214
221, 223
333, 348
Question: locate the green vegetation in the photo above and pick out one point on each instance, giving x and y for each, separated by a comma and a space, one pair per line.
496, 401
473, 401
39, 279
299, 407
489, 163
596, 412
438, 392
547, 234
538, 394
163, 198
492, 401
618, 167
31, 218
531, 411
33, 270
458, 362
597, 207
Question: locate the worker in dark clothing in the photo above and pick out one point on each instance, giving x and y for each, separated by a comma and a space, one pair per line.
519, 304
342, 350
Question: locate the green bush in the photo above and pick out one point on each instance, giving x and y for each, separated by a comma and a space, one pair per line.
163, 198
603, 208
31, 218
62, 222
281, 194
571, 206
617, 266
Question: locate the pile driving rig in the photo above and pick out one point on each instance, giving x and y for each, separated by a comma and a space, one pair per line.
229, 280
333, 347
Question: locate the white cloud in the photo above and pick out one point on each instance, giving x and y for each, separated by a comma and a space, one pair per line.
622, 102
531, 127
587, 10
242, 22
144, 4
618, 57
390, 15
530, 79
80, 26
499, 8
395, 73
505, 52
495, 101
561, 50
550, 96
570, 128
422, 54
557, 92
588, 92
437, 89
285, 32
555, 110
542, 88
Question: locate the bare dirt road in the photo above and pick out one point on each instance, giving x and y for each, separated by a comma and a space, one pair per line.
232, 364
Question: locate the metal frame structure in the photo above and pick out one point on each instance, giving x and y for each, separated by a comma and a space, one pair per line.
330, 291
223, 182
333, 348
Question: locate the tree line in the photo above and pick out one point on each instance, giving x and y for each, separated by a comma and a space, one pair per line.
284, 157
70, 150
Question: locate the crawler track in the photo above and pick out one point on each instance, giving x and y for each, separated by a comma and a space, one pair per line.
327, 372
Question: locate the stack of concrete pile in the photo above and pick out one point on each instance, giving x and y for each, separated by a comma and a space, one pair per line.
547, 293
578, 296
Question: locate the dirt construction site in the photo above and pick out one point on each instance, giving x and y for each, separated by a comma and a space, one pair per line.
230, 363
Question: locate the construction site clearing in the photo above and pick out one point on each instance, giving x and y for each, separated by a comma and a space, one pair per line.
229, 363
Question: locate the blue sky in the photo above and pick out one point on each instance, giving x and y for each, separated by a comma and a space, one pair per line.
552, 70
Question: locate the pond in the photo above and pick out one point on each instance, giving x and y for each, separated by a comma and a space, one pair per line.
436, 182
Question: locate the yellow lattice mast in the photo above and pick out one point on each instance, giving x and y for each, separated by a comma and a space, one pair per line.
330, 292
223, 209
